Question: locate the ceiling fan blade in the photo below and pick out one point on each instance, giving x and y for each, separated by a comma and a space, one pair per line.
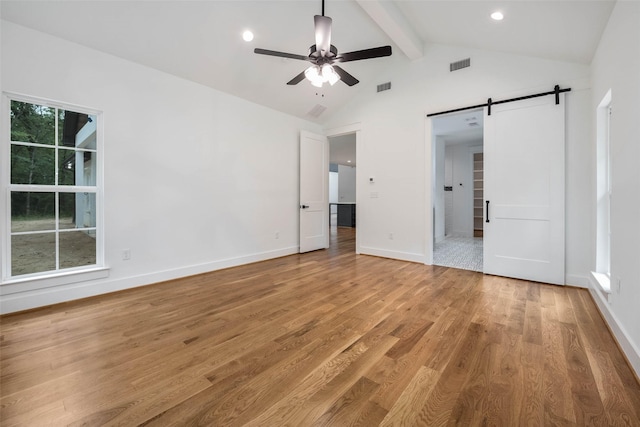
323, 33
297, 79
376, 52
344, 76
280, 54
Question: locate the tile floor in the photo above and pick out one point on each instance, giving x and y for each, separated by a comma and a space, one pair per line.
459, 252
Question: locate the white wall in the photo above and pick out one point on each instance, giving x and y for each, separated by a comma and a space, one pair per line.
461, 164
448, 196
398, 153
195, 179
439, 207
453, 163
333, 189
616, 66
346, 184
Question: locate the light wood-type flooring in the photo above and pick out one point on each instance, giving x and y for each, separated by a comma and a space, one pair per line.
325, 338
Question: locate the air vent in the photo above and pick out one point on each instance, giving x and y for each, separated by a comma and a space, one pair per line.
384, 86
464, 63
316, 111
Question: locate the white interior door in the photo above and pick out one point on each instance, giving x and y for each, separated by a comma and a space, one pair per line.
524, 190
314, 192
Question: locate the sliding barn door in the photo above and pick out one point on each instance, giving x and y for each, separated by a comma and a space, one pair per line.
314, 192
524, 146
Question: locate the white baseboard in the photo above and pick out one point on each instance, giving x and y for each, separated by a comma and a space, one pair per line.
628, 348
402, 256
53, 295
577, 281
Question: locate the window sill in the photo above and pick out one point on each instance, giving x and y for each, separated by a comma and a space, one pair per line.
31, 283
603, 282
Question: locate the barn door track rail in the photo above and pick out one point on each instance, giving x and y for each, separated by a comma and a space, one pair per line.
556, 91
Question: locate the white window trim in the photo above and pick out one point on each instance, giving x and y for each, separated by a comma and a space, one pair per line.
47, 279
603, 281
602, 273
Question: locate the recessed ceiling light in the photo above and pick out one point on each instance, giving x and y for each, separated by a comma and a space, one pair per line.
497, 16
247, 36
348, 161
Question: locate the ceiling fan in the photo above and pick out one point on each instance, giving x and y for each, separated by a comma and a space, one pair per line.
323, 55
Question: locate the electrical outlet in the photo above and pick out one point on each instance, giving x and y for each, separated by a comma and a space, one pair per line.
126, 254
390, 236
618, 285
277, 235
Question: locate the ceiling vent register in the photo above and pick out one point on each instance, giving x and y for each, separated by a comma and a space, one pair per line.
317, 110
458, 65
384, 86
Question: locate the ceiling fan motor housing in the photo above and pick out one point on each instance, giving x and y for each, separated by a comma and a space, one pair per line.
319, 58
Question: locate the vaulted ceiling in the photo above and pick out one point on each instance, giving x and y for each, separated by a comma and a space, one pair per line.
202, 40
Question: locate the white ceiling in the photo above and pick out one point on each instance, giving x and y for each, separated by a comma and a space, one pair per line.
459, 128
342, 149
201, 40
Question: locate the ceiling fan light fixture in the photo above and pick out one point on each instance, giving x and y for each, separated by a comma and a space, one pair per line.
318, 75
313, 75
329, 74
322, 54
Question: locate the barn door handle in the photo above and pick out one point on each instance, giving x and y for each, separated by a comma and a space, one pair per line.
487, 202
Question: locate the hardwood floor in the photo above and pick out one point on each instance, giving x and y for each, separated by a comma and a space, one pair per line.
325, 338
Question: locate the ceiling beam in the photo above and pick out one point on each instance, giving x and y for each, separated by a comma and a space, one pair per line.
393, 22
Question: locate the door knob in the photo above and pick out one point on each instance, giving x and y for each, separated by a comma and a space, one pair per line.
304, 206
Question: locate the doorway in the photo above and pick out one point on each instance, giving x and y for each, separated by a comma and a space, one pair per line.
342, 187
458, 193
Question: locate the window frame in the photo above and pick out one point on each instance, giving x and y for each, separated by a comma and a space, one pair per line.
603, 196
59, 275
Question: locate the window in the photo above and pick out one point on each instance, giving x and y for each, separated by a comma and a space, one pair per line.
603, 195
53, 190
